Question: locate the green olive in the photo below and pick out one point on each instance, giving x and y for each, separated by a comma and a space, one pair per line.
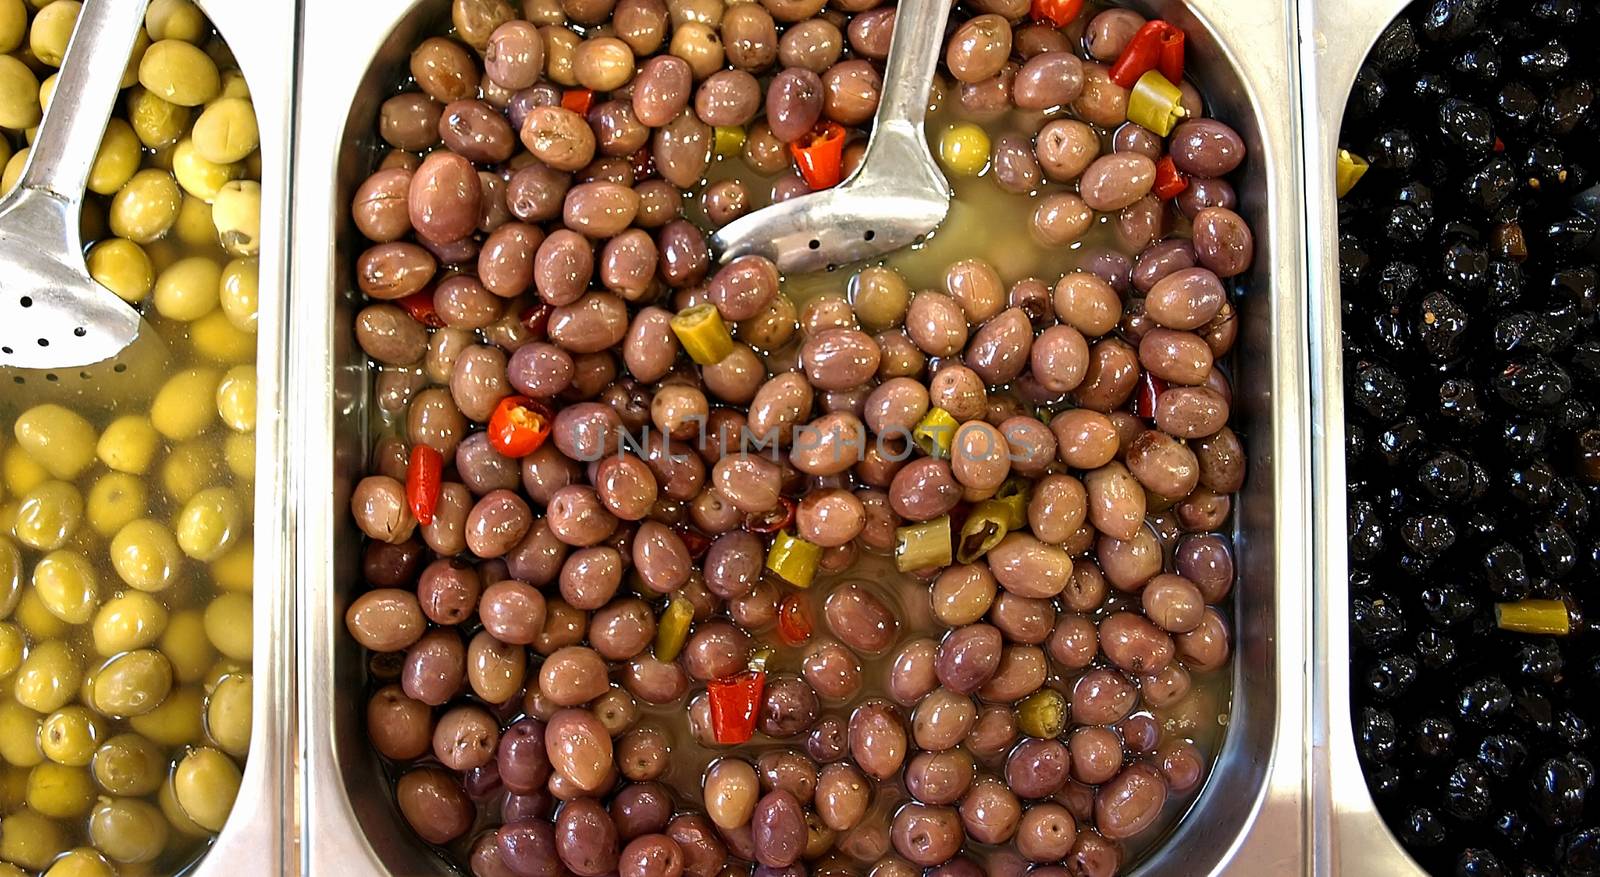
179, 72
176, 20
195, 231
129, 764
209, 523
128, 830
226, 131
186, 406
188, 289
237, 213
123, 267
14, 168
59, 791
115, 500
132, 620
6, 868
49, 677
19, 95
198, 176
179, 820
236, 398
13, 646
129, 443
60, 439
190, 468
130, 71
145, 555
239, 450
10, 577
205, 783
81, 862
71, 735
118, 159
235, 86
146, 207
30, 840
13, 25
19, 734
133, 684
49, 515
156, 121
52, 29
67, 585
241, 293
234, 570
229, 626
186, 645
179, 721
20, 471
36, 620
216, 340
228, 713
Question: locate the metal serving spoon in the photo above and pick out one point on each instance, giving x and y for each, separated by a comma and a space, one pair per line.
895, 196
64, 337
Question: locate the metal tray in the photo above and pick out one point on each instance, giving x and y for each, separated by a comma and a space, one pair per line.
1351, 838
257, 835
1251, 818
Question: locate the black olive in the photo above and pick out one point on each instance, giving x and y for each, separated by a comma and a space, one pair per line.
1512, 827
1368, 94
1458, 403
1567, 108
1536, 384
1436, 650
1467, 126
1466, 792
1423, 828
1506, 572
1435, 737
1391, 676
1396, 443
1396, 48
1377, 622
1504, 284
1485, 701
1516, 104
1556, 792
1441, 326
1478, 62
1428, 535
1530, 484
1492, 184
1580, 853
1379, 391
1547, 61
1540, 660
1569, 233
1561, 13
1366, 531
1406, 225
1500, 755
1446, 20
1474, 862
1553, 547
1394, 150
1573, 730
1446, 606
1377, 736
1524, 437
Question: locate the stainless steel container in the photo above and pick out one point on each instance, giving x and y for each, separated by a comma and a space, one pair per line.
259, 833
1351, 837
1251, 817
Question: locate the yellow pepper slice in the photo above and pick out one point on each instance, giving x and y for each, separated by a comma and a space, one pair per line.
728, 140
673, 630
922, 545
1352, 168
794, 559
703, 334
935, 433
1534, 616
1155, 103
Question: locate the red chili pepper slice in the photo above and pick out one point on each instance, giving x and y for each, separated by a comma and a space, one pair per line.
1171, 63
519, 426
1058, 12
424, 472
1150, 388
1157, 44
771, 521
820, 155
1170, 182
735, 701
420, 306
697, 542
536, 320
794, 621
578, 100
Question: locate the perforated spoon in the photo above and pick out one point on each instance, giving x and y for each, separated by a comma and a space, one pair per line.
895, 196
64, 337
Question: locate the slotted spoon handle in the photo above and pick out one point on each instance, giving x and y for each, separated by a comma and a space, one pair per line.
86, 91
913, 58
